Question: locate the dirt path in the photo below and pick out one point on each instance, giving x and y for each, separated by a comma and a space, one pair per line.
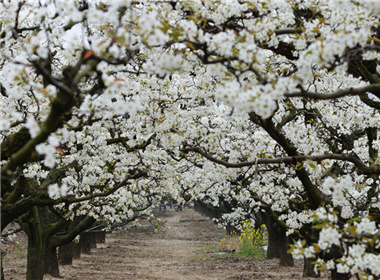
176, 253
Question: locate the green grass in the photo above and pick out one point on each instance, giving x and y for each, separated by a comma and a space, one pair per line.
250, 243
212, 248
20, 251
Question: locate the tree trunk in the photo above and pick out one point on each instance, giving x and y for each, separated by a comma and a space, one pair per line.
42, 229
92, 236
85, 241
39, 224
65, 254
308, 269
336, 252
100, 236
67, 249
278, 243
35, 267
31, 224
339, 276
274, 247
61, 233
286, 259
77, 249
2, 268
51, 261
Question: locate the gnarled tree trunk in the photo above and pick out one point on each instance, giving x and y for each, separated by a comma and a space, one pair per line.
31, 224
61, 238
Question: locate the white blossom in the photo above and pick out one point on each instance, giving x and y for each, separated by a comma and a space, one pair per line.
33, 127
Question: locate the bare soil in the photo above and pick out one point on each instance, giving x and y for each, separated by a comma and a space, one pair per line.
176, 252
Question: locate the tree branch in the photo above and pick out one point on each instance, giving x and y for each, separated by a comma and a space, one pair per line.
373, 88
362, 168
42, 200
288, 31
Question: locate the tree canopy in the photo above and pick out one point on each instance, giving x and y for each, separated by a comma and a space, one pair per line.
106, 107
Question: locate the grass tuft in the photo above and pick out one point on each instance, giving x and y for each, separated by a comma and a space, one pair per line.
250, 243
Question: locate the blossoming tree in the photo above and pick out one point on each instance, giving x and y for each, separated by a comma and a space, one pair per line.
106, 107
283, 64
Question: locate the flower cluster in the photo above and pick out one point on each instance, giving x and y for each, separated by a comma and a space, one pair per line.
251, 104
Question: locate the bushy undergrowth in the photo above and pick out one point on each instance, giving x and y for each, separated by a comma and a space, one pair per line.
251, 242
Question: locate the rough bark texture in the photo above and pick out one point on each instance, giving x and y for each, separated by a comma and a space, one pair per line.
51, 261
338, 276
77, 249
100, 236
45, 233
92, 236
278, 243
286, 259
65, 254
63, 232
308, 269
85, 243
273, 246
31, 224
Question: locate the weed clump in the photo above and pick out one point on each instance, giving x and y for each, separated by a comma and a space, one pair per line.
250, 242
253, 242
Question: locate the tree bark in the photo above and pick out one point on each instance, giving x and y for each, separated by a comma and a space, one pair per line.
339, 276
72, 229
66, 254
67, 249
336, 253
31, 224
92, 236
51, 261
77, 249
2, 268
308, 269
85, 241
100, 236
286, 259
278, 243
273, 246
44, 231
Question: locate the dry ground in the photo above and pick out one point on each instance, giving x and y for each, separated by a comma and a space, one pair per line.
175, 253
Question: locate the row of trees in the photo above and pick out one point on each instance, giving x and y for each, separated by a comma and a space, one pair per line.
254, 105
